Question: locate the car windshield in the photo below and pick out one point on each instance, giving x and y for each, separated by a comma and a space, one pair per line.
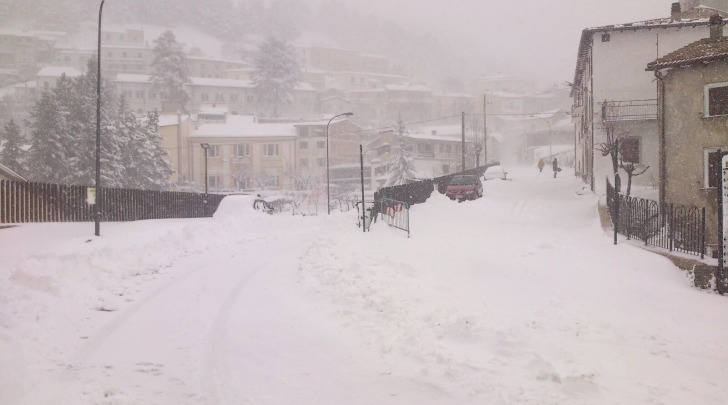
462, 181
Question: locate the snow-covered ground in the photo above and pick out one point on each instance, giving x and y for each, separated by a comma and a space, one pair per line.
517, 298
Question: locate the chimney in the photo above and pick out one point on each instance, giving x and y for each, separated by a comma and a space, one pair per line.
675, 12
716, 27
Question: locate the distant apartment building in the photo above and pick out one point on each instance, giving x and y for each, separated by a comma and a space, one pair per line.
24, 52
246, 153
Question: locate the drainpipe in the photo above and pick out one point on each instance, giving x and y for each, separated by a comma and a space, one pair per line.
591, 108
661, 135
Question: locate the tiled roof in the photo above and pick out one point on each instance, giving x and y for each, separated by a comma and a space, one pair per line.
704, 50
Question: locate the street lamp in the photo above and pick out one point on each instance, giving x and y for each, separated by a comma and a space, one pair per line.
97, 185
205, 146
328, 192
551, 134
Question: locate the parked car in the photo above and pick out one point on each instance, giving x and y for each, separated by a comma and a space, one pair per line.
464, 188
495, 172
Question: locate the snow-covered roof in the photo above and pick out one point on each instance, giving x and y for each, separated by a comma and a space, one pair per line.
439, 138
441, 130
244, 126
166, 120
57, 71
702, 51
12, 175
132, 78
407, 87
213, 82
699, 16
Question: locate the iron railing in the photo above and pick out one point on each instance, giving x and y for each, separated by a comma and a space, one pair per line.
629, 110
673, 227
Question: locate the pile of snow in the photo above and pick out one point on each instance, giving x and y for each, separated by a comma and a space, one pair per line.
518, 297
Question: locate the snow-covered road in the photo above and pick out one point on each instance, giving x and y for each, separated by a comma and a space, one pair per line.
516, 298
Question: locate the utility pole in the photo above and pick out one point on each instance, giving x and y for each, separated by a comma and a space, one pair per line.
463, 141
485, 131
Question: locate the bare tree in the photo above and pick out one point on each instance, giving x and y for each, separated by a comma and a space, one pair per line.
610, 147
630, 169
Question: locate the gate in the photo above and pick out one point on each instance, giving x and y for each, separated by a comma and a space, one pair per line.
395, 213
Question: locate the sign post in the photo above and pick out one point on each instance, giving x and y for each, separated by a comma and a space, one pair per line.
723, 225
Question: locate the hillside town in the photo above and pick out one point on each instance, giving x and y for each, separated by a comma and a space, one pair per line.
619, 115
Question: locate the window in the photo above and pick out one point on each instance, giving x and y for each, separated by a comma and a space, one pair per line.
213, 151
303, 145
629, 148
322, 162
270, 149
213, 181
203, 97
716, 99
606, 37
242, 149
712, 168
321, 144
303, 162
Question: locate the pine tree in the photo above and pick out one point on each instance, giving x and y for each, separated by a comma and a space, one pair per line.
160, 168
12, 154
401, 166
51, 152
63, 148
169, 66
276, 71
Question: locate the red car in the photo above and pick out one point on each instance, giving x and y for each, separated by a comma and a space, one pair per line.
464, 188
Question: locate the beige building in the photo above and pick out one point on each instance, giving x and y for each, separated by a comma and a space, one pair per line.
694, 104
175, 130
245, 153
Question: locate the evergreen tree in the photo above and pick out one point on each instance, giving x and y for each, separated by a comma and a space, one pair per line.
51, 152
146, 163
160, 170
401, 166
12, 154
63, 148
276, 71
169, 66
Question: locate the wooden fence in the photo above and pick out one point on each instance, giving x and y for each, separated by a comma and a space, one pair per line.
22, 202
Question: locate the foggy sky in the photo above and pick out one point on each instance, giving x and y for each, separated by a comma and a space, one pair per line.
533, 38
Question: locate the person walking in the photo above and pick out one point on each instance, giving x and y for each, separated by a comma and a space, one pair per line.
541, 164
555, 165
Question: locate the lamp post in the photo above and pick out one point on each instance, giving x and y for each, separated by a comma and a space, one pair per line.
328, 186
551, 135
97, 185
205, 146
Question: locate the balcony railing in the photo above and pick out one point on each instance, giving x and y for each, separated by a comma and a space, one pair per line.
629, 110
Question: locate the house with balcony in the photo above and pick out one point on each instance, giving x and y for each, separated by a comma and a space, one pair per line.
613, 94
694, 105
436, 150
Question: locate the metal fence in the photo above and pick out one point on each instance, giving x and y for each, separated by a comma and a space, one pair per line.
22, 202
395, 213
669, 226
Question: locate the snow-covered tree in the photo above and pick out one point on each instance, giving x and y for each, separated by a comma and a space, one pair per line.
51, 149
276, 71
157, 169
63, 147
401, 166
169, 75
12, 154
